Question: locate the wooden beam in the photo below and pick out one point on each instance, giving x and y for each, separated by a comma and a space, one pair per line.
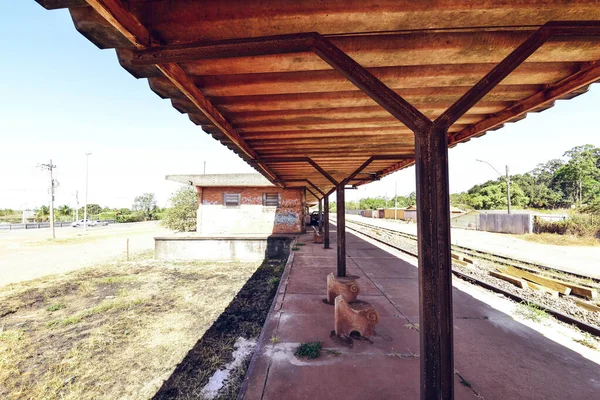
330, 53
587, 306
357, 171
322, 171
129, 26
320, 215
272, 160
124, 22
315, 187
341, 230
512, 61
326, 222
493, 78
540, 280
313, 193
435, 265
574, 82
278, 44
518, 282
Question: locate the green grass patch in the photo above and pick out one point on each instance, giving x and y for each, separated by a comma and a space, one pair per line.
55, 307
531, 312
588, 340
274, 281
310, 350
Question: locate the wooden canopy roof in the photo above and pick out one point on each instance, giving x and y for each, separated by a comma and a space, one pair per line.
261, 77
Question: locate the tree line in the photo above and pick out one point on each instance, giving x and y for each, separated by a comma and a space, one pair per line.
573, 182
570, 183
144, 208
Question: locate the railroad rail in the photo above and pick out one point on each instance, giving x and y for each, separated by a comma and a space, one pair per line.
483, 255
492, 258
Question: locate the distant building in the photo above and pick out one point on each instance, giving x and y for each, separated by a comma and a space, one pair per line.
245, 204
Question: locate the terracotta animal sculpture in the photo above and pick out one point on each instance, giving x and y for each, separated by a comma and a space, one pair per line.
360, 318
347, 288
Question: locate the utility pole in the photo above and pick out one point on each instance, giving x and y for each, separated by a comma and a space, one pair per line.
77, 205
87, 159
50, 167
204, 167
508, 189
396, 200
507, 181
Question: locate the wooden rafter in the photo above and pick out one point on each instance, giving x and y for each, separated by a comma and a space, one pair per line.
129, 26
512, 61
568, 85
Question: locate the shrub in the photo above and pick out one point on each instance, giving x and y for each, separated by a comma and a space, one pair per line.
108, 216
181, 216
576, 225
132, 217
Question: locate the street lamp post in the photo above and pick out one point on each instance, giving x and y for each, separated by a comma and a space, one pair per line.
87, 159
507, 181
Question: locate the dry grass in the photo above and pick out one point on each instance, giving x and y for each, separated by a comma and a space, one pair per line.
560, 240
112, 331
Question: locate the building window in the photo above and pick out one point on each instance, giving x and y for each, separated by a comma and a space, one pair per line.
231, 199
271, 199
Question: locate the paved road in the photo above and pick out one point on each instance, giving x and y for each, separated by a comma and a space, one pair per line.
578, 259
30, 254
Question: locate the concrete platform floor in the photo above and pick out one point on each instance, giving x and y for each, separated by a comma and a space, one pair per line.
499, 357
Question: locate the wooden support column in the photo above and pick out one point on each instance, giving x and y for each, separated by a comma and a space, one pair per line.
320, 212
326, 222
341, 231
435, 266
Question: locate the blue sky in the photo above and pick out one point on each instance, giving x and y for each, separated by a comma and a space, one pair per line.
63, 97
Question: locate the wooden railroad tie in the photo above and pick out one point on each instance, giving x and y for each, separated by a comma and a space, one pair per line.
588, 306
552, 284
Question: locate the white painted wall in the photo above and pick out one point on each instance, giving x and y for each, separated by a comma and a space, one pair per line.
247, 218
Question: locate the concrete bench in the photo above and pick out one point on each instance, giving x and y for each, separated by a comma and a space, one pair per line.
317, 237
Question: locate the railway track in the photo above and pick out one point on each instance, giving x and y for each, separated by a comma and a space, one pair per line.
483, 255
564, 308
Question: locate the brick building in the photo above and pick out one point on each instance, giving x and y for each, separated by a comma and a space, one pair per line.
245, 204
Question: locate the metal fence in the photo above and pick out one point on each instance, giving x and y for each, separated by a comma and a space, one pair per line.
506, 223
39, 225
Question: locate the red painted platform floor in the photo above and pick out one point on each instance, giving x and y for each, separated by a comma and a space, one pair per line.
499, 357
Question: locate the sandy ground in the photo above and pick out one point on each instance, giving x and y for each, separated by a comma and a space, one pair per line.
578, 259
26, 255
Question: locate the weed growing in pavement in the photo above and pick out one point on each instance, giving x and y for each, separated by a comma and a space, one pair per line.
300, 244
275, 339
333, 352
531, 312
295, 248
587, 340
310, 350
